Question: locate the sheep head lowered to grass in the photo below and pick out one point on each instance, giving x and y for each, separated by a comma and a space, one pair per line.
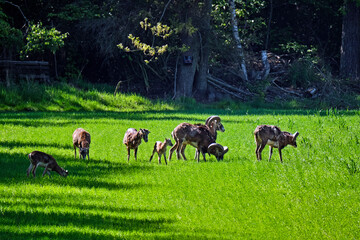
217, 150
197, 135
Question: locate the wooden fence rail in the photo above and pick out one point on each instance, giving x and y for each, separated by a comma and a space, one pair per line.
28, 70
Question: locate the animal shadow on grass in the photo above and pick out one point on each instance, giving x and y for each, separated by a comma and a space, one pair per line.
16, 144
95, 173
92, 217
77, 220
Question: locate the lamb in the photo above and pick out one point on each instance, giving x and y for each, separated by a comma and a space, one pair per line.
82, 140
160, 148
274, 137
132, 140
41, 159
217, 150
198, 136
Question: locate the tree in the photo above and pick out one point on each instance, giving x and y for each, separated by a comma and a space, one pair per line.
10, 37
350, 44
41, 39
194, 30
239, 47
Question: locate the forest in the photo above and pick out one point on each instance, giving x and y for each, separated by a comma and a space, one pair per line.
208, 50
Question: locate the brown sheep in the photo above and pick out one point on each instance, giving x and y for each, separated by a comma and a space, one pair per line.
132, 140
82, 140
160, 148
274, 137
44, 160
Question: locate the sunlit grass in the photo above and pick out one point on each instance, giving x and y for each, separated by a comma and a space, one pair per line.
63, 97
314, 194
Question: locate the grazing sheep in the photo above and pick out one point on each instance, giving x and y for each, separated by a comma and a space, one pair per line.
160, 148
132, 140
219, 127
198, 136
44, 160
274, 137
82, 140
217, 150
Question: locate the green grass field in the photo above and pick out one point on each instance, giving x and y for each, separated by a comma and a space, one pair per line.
314, 194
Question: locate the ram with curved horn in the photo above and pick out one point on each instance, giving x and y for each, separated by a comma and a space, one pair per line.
217, 150
218, 127
197, 135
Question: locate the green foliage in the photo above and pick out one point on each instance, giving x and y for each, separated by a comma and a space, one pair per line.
159, 30
78, 10
312, 195
41, 39
303, 74
251, 25
10, 37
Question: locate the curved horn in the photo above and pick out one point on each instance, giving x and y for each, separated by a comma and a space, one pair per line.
215, 149
212, 118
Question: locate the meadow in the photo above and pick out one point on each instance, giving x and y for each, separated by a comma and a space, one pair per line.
314, 194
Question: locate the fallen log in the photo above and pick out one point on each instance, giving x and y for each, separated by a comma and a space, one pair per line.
285, 90
228, 92
224, 84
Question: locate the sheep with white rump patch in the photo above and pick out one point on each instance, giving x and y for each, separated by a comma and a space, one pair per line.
274, 137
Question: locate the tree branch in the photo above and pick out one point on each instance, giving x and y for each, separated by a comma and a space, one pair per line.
27, 21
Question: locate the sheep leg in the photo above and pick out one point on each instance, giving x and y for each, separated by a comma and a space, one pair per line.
135, 153
75, 150
178, 151
152, 155
280, 155
257, 151
165, 158
159, 158
196, 153
34, 170
260, 150
29, 169
172, 150
46, 169
128, 155
204, 154
182, 151
270, 152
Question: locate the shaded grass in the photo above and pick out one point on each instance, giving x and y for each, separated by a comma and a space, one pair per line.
313, 195
62, 97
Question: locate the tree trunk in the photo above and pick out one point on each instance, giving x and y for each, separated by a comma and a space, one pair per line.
238, 41
350, 45
186, 75
201, 76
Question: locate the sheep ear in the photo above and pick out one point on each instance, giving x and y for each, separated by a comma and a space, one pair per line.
296, 134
